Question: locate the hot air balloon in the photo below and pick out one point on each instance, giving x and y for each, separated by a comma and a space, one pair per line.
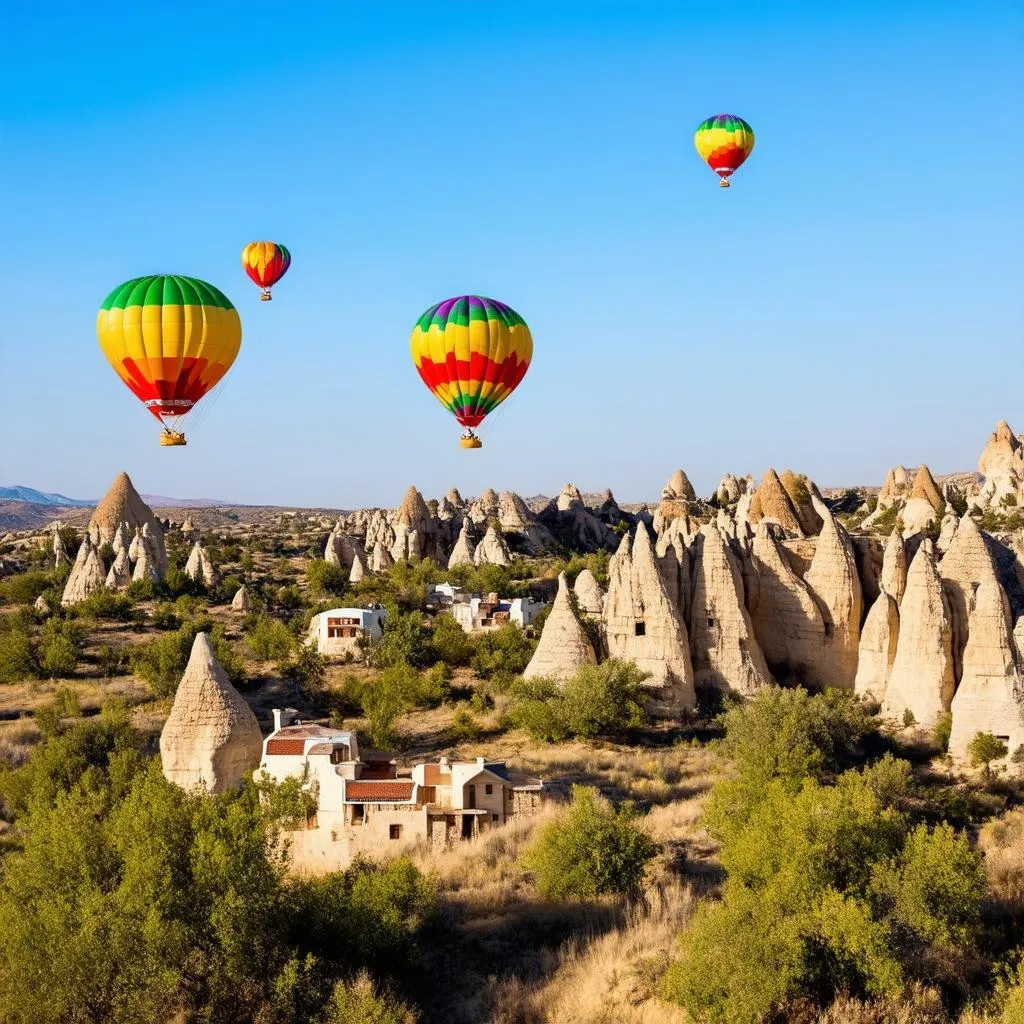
266, 263
471, 352
724, 142
170, 339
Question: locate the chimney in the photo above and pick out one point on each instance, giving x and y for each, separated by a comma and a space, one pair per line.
480, 761
283, 717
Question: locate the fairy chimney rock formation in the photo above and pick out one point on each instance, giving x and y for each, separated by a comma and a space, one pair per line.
121, 505
516, 519
199, 567
87, 574
726, 654
145, 567
678, 488
589, 595
380, 558
947, 531
569, 497
921, 680
211, 738
894, 487
966, 564
877, 650
492, 550
803, 494
462, 553
358, 570
1001, 466
642, 625
240, 602
832, 578
894, 567
136, 545
120, 574
416, 534
728, 490
924, 504
60, 553
564, 647
772, 504
990, 697
787, 620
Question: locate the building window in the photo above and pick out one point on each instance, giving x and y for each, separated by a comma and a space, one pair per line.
641, 629
1004, 739
711, 622
494, 817
357, 814
394, 831
488, 789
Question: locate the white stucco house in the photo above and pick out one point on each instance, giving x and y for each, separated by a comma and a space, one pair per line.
480, 614
338, 630
445, 594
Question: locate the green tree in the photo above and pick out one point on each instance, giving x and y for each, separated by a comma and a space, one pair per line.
591, 850
450, 643
386, 698
268, 639
503, 654
325, 579
984, 749
404, 640
360, 1002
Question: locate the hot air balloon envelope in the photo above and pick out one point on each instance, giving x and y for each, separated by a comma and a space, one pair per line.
266, 263
724, 142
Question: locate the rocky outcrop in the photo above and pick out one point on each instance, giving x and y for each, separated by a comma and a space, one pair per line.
492, 550
728, 490
921, 679
803, 494
894, 567
564, 647
678, 488
589, 595
462, 553
342, 549
990, 697
521, 527
1001, 467
568, 498
947, 530
211, 739
787, 620
416, 531
877, 650
644, 626
199, 567
832, 578
87, 574
240, 602
924, 505
136, 545
358, 570
60, 553
895, 487
380, 558
121, 505
966, 564
145, 566
188, 529
120, 574
42, 606
772, 504
725, 652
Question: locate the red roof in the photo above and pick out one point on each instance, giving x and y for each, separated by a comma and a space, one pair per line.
382, 792
276, 746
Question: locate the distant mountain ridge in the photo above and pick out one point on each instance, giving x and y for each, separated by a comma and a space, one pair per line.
30, 494
159, 501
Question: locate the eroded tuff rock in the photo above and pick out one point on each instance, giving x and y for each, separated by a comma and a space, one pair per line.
1001, 467
643, 625
462, 553
211, 738
120, 574
771, 503
87, 574
416, 531
921, 680
380, 559
492, 550
589, 595
990, 697
121, 505
803, 494
358, 570
877, 650
678, 488
894, 567
199, 567
924, 504
240, 602
728, 490
564, 647
725, 651
521, 528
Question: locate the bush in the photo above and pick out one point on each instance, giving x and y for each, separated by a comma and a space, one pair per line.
503, 653
162, 661
324, 578
25, 587
112, 660
105, 604
360, 1002
943, 730
17, 650
591, 850
537, 708
268, 639
465, 728
450, 643
908, 718
386, 698
984, 749
404, 641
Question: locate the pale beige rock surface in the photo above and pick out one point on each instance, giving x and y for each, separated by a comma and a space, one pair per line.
240, 602
492, 550
922, 679
120, 574
87, 574
211, 739
877, 650
199, 567
894, 567
122, 505
589, 595
772, 504
679, 487
1001, 467
564, 647
462, 553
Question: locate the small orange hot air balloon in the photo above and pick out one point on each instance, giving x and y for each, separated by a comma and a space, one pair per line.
266, 263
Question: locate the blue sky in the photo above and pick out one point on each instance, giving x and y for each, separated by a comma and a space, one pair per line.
852, 302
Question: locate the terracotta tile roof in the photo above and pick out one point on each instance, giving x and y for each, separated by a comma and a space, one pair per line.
278, 746
380, 792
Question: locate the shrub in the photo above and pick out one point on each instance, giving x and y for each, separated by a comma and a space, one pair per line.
943, 729
385, 699
17, 651
162, 661
503, 653
105, 604
286, 803
25, 587
112, 660
537, 708
307, 669
450, 643
908, 718
404, 641
984, 749
591, 850
268, 639
465, 728
324, 578
360, 1002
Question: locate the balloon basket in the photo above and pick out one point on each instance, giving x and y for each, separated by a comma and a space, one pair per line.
470, 442
724, 183
265, 296
172, 439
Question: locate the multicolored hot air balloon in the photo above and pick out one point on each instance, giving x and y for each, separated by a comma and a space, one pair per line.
471, 352
170, 339
266, 263
724, 142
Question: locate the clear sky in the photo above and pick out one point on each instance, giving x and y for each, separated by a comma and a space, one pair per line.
854, 301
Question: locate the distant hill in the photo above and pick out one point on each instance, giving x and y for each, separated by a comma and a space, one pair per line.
159, 501
30, 494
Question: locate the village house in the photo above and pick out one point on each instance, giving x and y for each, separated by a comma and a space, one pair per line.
444, 595
482, 614
339, 630
364, 807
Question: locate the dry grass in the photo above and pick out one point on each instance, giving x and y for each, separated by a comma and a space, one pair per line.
1002, 841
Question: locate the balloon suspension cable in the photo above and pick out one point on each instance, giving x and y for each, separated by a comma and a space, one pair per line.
265, 295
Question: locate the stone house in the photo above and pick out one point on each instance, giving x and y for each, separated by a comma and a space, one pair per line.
339, 630
364, 807
483, 614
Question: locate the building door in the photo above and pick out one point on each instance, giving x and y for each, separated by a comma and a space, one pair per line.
471, 797
467, 826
